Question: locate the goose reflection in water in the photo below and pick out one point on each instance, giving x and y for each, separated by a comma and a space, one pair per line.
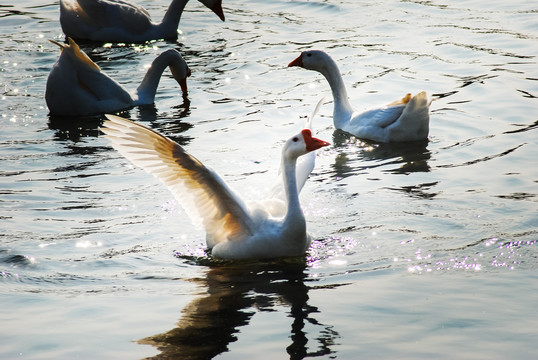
408, 157
234, 292
74, 128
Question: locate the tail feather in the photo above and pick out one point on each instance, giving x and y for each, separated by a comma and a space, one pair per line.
414, 123
76, 53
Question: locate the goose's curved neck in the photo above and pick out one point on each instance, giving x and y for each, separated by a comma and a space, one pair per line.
342, 107
294, 216
145, 93
171, 18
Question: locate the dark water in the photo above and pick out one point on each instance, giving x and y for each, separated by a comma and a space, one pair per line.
424, 250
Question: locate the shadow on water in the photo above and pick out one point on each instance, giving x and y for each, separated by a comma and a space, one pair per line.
75, 128
419, 191
402, 158
235, 291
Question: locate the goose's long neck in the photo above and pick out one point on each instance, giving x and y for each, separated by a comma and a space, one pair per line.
294, 215
172, 16
342, 107
147, 89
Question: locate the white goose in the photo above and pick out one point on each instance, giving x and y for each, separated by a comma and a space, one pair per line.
233, 229
76, 86
122, 21
406, 119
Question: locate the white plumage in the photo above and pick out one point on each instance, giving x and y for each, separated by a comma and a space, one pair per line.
122, 21
76, 85
234, 229
406, 119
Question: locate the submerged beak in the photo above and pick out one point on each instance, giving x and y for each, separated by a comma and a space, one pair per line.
297, 62
183, 85
183, 82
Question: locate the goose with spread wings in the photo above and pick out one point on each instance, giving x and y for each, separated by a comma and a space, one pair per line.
234, 229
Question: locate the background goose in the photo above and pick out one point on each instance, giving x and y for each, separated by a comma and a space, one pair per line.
406, 119
76, 86
122, 21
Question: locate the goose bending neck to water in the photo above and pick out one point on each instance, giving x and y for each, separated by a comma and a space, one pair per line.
234, 229
122, 21
76, 86
406, 119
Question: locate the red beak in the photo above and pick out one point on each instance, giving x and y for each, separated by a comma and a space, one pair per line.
312, 143
297, 62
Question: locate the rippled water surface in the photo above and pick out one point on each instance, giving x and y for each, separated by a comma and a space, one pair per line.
422, 250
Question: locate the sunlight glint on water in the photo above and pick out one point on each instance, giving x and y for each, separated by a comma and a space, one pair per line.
421, 250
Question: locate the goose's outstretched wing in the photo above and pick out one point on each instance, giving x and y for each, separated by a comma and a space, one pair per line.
203, 194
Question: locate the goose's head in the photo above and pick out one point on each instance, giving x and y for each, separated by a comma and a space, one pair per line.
301, 144
215, 6
180, 70
312, 60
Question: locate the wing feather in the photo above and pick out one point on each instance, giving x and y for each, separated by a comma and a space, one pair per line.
203, 194
305, 164
379, 117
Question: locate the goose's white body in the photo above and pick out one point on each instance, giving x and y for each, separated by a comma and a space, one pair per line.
235, 230
122, 21
76, 86
406, 119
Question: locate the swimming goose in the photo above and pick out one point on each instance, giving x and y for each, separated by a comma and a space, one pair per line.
406, 119
234, 229
77, 87
122, 21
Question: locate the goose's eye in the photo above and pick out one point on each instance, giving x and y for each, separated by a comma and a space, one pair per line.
295, 139
308, 54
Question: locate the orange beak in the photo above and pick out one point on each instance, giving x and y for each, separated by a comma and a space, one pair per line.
297, 62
